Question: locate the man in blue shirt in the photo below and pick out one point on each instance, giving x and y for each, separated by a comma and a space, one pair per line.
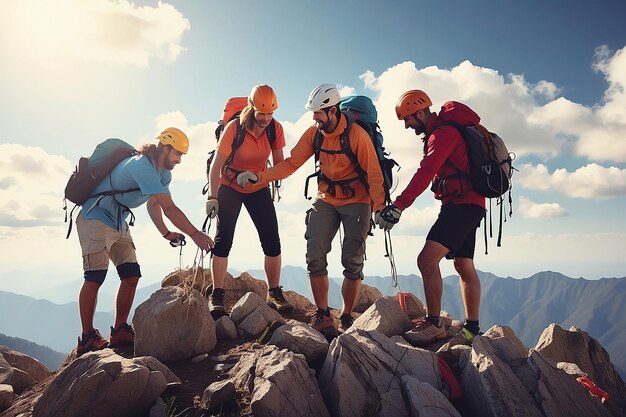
104, 234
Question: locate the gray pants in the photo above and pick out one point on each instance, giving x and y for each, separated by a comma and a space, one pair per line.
322, 223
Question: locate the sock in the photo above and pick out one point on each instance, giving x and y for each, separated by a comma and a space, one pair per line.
433, 319
218, 291
472, 326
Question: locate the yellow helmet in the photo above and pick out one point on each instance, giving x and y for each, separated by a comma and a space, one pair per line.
175, 138
410, 102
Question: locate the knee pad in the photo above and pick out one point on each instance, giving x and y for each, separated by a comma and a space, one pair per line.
96, 276
128, 270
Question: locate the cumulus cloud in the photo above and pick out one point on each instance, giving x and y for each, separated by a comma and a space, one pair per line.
589, 181
503, 102
531, 210
117, 32
31, 186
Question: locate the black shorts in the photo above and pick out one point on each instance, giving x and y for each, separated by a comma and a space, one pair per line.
455, 229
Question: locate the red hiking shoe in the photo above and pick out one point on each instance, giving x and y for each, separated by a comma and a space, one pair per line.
91, 342
124, 335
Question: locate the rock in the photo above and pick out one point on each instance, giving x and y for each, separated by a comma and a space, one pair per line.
226, 329
198, 279
278, 383
6, 396
19, 370
363, 371
102, 384
252, 315
576, 346
411, 305
426, 401
174, 324
218, 394
558, 394
301, 339
158, 409
384, 316
367, 296
490, 385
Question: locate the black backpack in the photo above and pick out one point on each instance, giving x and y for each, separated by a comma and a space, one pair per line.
360, 110
491, 168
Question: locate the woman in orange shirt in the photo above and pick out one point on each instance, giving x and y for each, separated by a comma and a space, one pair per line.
253, 136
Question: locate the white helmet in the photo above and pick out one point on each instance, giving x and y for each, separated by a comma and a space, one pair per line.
323, 96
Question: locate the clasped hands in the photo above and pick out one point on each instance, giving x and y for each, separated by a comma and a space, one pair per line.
246, 177
387, 217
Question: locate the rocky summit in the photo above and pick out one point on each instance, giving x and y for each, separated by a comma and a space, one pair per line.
257, 362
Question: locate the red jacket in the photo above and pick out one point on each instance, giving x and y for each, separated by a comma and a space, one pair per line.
444, 144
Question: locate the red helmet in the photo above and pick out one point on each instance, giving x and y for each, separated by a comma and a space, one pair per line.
263, 99
410, 102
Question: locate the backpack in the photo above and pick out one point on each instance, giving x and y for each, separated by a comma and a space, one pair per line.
90, 172
491, 168
360, 110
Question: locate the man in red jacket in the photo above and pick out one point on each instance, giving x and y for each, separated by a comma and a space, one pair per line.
454, 233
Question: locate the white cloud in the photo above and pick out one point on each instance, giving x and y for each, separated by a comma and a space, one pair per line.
117, 32
589, 181
531, 210
31, 186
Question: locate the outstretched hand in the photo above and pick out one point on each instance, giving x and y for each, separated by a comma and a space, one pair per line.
246, 177
388, 217
202, 241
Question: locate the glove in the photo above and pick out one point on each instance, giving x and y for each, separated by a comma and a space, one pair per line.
176, 239
245, 177
387, 217
212, 207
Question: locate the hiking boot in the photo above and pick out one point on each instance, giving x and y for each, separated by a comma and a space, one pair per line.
277, 300
90, 342
124, 335
345, 323
424, 332
216, 302
323, 323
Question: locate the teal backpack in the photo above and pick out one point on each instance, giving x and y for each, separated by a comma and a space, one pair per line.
92, 171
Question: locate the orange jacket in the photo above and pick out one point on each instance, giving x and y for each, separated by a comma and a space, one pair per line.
336, 166
252, 155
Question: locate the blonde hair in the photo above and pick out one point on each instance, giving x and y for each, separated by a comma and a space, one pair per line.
152, 151
246, 118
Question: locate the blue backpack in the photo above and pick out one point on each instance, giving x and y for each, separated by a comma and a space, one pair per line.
90, 172
360, 110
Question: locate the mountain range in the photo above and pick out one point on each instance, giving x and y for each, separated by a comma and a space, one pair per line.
527, 305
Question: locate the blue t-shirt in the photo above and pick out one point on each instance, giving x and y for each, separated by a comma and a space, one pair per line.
135, 172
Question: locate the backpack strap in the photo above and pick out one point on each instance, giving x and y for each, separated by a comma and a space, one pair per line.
240, 136
346, 149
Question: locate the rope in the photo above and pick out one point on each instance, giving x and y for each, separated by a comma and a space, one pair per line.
392, 262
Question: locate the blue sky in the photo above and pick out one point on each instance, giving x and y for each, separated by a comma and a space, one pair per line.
549, 77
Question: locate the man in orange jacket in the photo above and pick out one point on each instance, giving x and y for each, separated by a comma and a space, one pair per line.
341, 199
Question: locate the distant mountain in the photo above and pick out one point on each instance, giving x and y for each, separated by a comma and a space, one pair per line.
45, 323
51, 358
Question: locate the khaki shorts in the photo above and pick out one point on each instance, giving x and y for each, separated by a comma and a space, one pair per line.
99, 243
322, 223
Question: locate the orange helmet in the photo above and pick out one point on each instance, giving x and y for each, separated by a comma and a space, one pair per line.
410, 102
263, 99
175, 138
